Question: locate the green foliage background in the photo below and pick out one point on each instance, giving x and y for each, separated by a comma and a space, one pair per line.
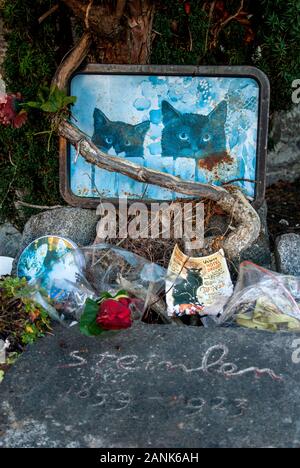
275, 48
25, 165
34, 51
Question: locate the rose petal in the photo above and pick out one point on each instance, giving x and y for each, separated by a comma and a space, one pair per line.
113, 315
3, 98
20, 119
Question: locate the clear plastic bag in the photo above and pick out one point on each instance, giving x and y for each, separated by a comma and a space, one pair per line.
100, 268
62, 288
264, 300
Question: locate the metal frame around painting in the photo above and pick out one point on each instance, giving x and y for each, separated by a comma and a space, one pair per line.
169, 70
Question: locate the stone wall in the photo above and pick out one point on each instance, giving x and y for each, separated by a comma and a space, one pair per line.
284, 160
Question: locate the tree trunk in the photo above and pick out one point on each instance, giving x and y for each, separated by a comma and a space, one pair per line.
121, 29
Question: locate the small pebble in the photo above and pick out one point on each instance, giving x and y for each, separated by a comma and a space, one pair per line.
284, 222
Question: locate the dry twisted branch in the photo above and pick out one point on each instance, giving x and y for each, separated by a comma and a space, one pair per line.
231, 200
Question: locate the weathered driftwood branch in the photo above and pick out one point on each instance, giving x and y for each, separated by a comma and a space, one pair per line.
20, 203
72, 61
142, 174
48, 13
244, 218
232, 201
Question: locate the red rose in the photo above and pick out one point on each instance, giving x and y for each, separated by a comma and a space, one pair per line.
114, 315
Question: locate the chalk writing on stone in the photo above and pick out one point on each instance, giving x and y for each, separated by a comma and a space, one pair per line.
214, 360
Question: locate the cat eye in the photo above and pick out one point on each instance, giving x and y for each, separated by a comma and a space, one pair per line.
206, 137
183, 136
109, 140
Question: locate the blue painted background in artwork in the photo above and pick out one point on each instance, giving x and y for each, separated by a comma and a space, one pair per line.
127, 101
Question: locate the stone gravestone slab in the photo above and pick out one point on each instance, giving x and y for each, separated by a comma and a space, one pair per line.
155, 386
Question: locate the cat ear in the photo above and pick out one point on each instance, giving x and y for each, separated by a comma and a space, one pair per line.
143, 127
219, 113
100, 119
168, 112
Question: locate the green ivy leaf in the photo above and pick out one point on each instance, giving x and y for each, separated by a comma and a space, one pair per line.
49, 107
107, 295
42, 94
34, 104
57, 98
120, 293
69, 100
104, 295
88, 325
51, 100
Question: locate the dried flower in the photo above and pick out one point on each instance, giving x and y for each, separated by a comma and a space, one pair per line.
187, 8
10, 112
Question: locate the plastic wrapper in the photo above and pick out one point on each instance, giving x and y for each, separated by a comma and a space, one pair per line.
4, 345
102, 268
264, 300
39, 297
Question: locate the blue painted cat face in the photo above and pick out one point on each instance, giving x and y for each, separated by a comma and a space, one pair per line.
192, 135
120, 136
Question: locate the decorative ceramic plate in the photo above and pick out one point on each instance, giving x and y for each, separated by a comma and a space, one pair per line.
52, 262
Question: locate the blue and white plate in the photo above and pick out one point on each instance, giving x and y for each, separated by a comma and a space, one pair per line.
53, 263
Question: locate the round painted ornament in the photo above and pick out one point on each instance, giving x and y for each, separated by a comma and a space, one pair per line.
54, 264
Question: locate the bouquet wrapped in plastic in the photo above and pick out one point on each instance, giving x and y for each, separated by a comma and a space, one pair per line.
103, 271
264, 300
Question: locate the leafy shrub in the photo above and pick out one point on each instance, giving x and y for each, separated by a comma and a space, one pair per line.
28, 169
22, 321
263, 33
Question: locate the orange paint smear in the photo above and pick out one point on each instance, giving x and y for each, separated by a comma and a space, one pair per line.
212, 161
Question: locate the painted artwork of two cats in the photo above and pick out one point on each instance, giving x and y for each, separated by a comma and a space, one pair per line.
185, 135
